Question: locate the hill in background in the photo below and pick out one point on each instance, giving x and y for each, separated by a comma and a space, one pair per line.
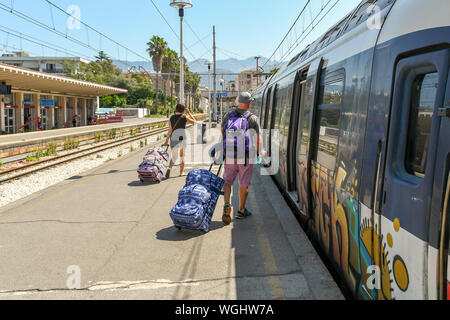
223, 67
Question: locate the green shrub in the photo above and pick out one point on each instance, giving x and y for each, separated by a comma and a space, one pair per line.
98, 137
71, 144
112, 134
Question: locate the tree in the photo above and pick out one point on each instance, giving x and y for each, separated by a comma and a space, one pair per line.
157, 48
102, 56
169, 65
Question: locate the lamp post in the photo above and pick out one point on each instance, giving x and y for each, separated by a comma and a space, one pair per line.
208, 63
257, 70
222, 82
181, 5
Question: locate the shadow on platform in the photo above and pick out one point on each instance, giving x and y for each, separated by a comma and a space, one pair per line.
173, 234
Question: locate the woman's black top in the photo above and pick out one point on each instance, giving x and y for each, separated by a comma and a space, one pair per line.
178, 137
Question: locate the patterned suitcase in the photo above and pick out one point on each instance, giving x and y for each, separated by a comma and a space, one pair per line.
154, 165
197, 201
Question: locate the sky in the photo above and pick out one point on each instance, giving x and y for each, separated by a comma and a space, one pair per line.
244, 28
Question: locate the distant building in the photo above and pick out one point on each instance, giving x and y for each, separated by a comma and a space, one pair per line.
54, 65
248, 80
232, 85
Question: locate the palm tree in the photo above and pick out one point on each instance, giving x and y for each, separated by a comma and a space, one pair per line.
157, 48
102, 56
169, 65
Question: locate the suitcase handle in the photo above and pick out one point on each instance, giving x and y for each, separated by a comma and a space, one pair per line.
218, 172
167, 147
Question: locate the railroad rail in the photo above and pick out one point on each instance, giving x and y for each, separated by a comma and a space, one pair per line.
62, 159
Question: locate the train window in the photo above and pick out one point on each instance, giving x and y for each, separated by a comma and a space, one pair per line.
328, 118
331, 93
306, 117
332, 88
326, 152
423, 99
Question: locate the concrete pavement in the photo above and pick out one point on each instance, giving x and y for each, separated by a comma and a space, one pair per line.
118, 234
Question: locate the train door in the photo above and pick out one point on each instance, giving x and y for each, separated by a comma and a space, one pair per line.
295, 128
9, 119
443, 165
44, 119
266, 124
416, 159
304, 138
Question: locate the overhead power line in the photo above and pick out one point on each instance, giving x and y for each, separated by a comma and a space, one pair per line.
48, 28
175, 33
299, 40
39, 42
284, 49
98, 32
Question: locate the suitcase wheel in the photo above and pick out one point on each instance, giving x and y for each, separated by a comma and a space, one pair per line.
179, 228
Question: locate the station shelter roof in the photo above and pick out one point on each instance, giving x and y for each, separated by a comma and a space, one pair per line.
30, 80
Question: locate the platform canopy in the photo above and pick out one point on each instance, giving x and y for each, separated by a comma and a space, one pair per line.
30, 80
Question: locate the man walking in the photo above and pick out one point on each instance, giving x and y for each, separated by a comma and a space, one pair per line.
239, 128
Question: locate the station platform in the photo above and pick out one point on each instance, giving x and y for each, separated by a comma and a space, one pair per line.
118, 234
29, 138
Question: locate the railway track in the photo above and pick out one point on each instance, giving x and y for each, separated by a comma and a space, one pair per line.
30, 168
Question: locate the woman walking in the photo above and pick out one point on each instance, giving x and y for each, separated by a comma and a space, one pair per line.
177, 125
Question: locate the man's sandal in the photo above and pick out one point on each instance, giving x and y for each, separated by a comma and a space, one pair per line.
226, 218
243, 214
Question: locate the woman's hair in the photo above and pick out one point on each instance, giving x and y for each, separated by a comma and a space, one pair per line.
180, 108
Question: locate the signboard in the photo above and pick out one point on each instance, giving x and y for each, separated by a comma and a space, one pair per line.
48, 103
220, 95
28, 103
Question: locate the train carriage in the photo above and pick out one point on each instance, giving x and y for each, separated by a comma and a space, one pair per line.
362, 117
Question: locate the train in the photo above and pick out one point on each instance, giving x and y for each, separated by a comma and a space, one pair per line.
362, 117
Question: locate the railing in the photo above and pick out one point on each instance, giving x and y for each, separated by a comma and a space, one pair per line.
65, 124
111, 118
37, 120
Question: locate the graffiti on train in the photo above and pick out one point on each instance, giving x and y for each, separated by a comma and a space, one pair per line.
351, 239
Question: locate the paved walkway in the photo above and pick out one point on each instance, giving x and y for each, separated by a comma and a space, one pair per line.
118, 234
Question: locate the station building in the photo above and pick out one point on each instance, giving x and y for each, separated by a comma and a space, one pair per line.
55, 99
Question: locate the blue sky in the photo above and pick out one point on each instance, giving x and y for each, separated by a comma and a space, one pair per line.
245, 28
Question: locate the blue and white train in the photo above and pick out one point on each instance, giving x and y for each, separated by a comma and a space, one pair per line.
364, 120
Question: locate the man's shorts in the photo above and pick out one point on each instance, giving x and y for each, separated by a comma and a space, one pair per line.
233, 170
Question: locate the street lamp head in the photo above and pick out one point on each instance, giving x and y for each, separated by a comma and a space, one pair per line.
181, 4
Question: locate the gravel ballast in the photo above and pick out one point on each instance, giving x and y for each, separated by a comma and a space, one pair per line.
23, 187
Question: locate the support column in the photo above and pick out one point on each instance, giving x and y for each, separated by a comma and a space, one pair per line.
2, 114
76, 111
63, 110
20, 111
51, 115
83, 112
37, 107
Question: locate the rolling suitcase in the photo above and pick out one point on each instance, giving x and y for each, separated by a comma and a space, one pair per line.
154, 166
197, 201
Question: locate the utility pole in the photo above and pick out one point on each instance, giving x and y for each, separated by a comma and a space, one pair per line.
257, 70
182, 57
215, 74
209, 94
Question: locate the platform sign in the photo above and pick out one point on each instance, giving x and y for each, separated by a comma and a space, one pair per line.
48, 103
220, 95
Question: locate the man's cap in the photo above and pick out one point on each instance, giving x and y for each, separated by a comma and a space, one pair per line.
245, 97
